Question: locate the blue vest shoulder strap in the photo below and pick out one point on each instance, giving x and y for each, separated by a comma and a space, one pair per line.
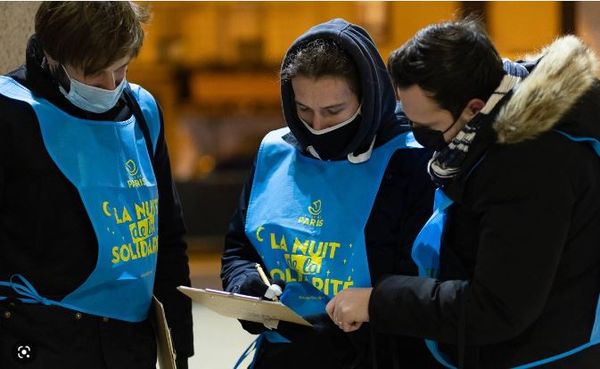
146, 110
593, 142
141, 102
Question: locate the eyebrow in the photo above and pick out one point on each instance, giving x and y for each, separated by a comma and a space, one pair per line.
325, 107
124, 65
102, 70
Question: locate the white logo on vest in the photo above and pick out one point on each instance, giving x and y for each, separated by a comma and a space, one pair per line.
315, 219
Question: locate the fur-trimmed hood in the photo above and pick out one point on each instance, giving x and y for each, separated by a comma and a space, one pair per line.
563, 78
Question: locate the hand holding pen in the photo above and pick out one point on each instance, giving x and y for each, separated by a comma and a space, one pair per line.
273, 290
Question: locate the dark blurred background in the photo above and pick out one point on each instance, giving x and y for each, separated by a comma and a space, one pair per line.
213, 67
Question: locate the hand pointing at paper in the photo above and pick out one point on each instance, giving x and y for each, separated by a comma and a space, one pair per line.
350, 308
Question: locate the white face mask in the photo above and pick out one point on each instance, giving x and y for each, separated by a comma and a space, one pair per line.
329, 143
90, 98
332, 128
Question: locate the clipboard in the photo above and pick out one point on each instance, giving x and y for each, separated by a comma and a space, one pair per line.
165, 352
243, 307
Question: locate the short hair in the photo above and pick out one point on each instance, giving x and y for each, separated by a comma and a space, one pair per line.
455, 61
90, 35
321, 58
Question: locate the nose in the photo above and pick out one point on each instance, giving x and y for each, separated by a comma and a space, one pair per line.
318, 123
109, 81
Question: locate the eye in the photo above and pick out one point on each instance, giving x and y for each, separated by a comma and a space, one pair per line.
303, 108
334, 112
97, 74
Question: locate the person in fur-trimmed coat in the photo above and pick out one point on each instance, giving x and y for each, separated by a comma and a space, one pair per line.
514, 279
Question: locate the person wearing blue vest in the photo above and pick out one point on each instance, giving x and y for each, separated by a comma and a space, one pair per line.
334, 200
509, 262
90, 222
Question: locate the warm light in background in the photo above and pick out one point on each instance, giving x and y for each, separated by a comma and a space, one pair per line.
213, 66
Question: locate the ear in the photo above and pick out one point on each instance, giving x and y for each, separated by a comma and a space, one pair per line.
473, 107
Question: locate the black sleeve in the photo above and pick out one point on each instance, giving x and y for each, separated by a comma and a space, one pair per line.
1, 180
172, 268
419, 206
403, 204
239, 256
524, 201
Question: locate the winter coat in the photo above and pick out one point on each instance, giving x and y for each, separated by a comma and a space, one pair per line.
520, 263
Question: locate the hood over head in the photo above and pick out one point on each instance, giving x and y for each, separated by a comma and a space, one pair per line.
378, 100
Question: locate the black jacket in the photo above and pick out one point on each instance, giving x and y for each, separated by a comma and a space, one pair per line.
402, 205
46, 235
520, 262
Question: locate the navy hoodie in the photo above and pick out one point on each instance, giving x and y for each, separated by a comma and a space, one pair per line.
377, 94
402, 205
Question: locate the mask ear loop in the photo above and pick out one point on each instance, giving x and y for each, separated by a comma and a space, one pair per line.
58, 73
63, 78
452, 125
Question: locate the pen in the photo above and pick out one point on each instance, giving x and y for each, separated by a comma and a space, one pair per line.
262, 274
274, 290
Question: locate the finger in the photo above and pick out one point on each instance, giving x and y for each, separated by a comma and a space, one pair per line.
354, 326
330, 308
337, 316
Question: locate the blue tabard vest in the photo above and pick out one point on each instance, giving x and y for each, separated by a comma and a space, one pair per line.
426, 254
109, 164
306, 219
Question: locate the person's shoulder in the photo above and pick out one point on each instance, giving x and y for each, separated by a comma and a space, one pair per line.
549, 163
19, 127
410, 160
142, 95
408, 156
548, 150
13, 111
281, 136
19, 74
407, 171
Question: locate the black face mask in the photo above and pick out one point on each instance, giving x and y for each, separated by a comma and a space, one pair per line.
331, 145
430, 138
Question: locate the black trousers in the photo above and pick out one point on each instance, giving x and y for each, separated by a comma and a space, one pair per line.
34, 336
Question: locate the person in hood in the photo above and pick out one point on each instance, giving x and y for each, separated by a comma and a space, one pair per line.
84, 171
509, 262
334, 200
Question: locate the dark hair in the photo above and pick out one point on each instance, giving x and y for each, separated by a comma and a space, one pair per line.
320, 58
455, 61
90, 35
